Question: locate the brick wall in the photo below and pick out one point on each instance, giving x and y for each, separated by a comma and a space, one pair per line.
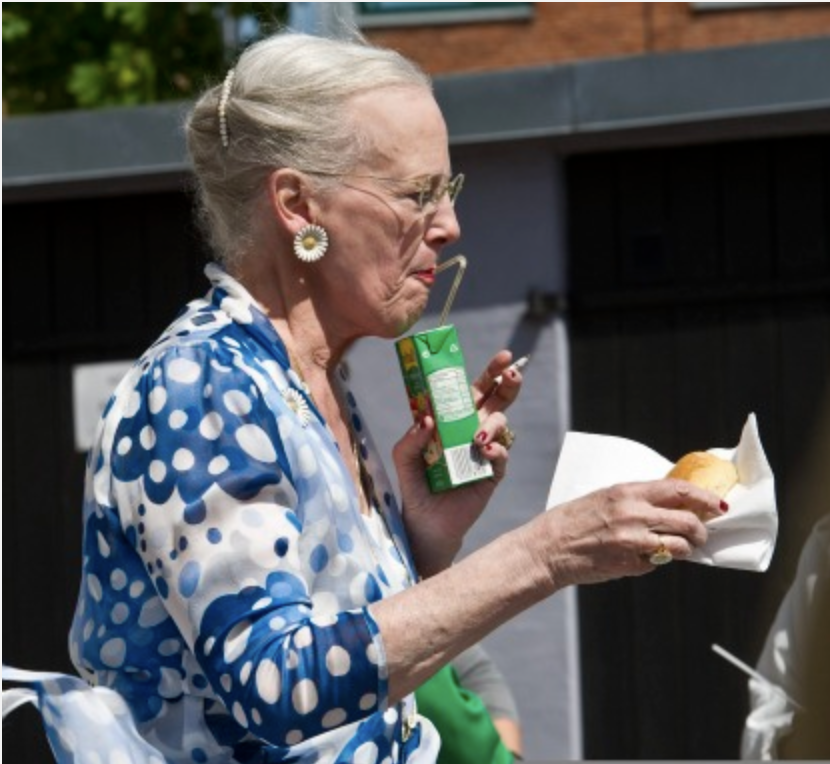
560, 32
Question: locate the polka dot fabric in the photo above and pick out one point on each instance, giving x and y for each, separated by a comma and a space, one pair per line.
228, 572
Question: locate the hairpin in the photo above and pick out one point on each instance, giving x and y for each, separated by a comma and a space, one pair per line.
223, 106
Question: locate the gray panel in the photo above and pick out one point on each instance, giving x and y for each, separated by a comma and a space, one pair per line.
523, 103
512, 212
89, 146
726, 82
537, 651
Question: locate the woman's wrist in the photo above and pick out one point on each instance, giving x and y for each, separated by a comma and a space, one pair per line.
537, 538
432, 548
431, 557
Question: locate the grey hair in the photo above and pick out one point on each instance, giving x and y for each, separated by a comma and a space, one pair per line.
285, 105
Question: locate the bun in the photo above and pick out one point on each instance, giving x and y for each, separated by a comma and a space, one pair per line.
707, 471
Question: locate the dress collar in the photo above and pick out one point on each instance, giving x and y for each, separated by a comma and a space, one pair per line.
229, 296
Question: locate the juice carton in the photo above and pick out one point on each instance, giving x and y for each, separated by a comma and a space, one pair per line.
434, 374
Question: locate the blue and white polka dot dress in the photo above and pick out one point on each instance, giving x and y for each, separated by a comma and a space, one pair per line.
228, 572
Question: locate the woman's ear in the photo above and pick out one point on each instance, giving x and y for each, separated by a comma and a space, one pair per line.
289, 199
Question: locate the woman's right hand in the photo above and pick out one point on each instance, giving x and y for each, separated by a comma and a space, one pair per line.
612, 532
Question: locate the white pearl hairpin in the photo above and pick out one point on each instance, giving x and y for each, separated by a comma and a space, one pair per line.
223, 108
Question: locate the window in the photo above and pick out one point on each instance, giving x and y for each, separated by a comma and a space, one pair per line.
749, 6
415, 13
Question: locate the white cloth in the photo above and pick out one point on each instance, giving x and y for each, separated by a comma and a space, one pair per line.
782, 658
68, 704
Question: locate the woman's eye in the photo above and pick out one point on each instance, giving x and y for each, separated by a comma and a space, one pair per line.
417, 197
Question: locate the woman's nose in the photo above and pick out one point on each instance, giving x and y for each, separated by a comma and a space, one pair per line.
443, 226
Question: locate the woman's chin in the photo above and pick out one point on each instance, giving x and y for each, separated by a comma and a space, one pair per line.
398, 328
397, 319
410, 320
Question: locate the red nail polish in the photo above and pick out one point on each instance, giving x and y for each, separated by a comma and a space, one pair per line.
481, 437
724, 506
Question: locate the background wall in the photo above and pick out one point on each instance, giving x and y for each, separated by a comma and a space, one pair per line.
556, 32
85, 281
700, 285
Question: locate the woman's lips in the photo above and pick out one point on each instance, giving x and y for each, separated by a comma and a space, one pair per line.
427, 275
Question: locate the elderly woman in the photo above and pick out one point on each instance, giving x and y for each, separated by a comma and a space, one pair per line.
252, 587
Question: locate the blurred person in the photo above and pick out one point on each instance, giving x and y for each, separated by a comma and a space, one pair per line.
478, 673
473, 709
253, 590
788, 718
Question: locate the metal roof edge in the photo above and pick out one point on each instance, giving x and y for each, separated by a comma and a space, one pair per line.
597, 100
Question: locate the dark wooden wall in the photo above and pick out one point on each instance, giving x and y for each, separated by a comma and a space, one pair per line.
700, 292
84, 281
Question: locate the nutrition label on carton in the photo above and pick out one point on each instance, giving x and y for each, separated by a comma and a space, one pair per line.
451, 396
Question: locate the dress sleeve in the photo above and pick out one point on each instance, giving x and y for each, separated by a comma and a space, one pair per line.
207, 496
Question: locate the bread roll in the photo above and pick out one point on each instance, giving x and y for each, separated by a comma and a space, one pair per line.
707, 471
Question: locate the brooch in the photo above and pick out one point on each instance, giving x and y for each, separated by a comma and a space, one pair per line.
298, 404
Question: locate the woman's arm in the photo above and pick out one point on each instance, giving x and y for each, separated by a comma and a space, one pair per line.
605, 535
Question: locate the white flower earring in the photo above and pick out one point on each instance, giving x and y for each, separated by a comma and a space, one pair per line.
311, 243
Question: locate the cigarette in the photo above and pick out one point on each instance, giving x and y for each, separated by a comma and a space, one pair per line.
516, 365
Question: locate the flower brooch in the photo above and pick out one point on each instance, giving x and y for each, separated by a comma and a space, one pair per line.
298, 404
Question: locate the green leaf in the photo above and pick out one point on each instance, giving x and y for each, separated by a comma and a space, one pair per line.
87, 55
14, 27
87, 83
134, 16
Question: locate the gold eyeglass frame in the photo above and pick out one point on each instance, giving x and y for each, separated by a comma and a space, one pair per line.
428, 197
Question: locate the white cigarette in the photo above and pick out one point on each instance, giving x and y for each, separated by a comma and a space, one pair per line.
753, 673
518, 365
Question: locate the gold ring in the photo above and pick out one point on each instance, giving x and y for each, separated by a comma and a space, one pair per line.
660, 556
506, 437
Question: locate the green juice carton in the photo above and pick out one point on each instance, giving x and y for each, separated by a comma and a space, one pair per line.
436, 382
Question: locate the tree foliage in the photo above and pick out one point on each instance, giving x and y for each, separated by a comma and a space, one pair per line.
59, 56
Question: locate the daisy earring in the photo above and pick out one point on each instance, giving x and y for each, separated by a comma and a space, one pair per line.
311, 243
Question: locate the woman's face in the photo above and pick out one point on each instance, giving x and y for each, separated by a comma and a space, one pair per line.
383, 249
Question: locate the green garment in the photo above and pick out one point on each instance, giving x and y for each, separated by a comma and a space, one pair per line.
468, 735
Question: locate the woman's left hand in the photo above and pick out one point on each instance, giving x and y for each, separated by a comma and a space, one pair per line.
436, 523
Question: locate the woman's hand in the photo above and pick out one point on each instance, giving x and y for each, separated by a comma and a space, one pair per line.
437, 523
611, 533
491, 397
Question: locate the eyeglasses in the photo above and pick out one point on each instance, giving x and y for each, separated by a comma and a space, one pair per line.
427, 191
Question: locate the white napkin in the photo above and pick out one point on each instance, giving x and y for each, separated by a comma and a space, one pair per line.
743, 538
